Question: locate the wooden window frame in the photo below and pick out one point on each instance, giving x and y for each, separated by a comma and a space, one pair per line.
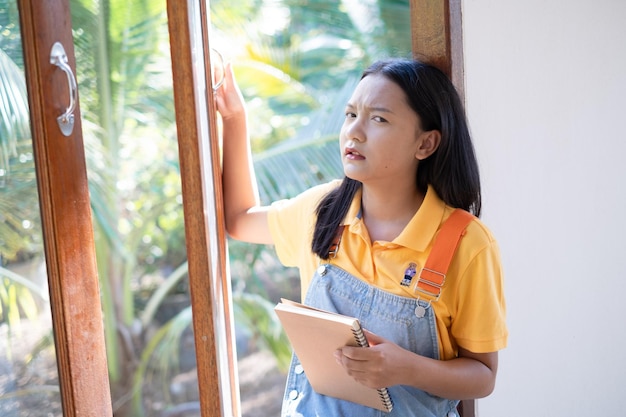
437, 37
65, 214
209, 282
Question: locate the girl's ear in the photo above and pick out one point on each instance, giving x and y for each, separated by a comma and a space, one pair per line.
428, 142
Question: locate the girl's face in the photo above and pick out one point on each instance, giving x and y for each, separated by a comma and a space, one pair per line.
379, 137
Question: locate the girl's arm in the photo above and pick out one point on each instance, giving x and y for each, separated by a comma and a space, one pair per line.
384, 364
245, 219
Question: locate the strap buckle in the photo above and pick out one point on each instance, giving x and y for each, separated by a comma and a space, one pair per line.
430, 283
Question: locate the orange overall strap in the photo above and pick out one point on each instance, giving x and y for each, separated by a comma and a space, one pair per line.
433, 275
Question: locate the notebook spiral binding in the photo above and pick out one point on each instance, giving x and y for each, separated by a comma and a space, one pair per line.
382, 392
360, 337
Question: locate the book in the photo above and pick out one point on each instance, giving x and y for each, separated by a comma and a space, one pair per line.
315, 335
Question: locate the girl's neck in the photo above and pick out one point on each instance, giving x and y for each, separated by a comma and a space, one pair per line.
387, 211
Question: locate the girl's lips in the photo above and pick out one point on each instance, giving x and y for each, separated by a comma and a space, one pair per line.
351, 153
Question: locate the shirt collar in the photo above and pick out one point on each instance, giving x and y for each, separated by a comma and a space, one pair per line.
420, 231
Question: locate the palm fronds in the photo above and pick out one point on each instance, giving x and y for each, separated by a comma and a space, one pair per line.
14, 114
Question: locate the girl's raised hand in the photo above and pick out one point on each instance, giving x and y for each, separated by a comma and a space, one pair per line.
229, 99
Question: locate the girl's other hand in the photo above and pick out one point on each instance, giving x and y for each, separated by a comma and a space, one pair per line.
380, 365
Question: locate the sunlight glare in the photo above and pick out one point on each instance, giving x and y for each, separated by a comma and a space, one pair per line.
274, 17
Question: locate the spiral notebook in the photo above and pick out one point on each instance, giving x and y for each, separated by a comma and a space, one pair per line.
315, 335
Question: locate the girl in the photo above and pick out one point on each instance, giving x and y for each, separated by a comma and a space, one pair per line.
408, 162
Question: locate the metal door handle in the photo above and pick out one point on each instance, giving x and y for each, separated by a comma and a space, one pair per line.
58, 57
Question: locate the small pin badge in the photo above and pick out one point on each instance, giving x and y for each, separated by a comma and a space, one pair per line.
409, 273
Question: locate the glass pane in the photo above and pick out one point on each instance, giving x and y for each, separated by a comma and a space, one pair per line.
29, 383
125, 82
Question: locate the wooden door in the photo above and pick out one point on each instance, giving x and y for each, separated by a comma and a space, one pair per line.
65, 209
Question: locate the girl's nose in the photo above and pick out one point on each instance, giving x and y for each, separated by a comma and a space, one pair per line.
354, 131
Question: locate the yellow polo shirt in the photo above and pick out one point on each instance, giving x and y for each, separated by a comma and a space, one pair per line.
470, 312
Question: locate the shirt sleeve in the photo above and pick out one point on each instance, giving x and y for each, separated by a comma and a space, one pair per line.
479, 322
291, 224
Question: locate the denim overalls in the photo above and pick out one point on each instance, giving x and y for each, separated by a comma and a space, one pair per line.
390, 316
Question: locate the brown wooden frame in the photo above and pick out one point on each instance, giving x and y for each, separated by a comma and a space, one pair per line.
437, 36
65, 215
206, 246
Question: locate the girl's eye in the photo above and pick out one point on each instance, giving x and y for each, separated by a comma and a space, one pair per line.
350, 115
379, 119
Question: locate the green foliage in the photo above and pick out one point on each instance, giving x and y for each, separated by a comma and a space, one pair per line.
19, 215
10, 38
13, 109
255, 312
160, 359
20, 225
123, 77
17, 298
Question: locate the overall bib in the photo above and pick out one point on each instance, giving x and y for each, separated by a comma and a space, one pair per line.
390, 316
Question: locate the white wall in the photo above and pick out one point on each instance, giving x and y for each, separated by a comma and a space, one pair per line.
546, 99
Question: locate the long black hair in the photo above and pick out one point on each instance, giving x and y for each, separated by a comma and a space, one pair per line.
452, 170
